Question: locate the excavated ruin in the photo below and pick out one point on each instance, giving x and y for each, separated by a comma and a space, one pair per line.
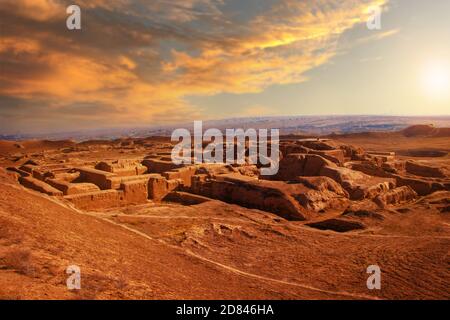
315, 175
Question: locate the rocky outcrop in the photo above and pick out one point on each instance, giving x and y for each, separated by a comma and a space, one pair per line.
353, 153
393, 167
249, 192
421, 186
396, 196
420, 169
368, 190
341, 174
295, 165
372, 169
324, 148
358, 185
323, 184
323, 193
319, 201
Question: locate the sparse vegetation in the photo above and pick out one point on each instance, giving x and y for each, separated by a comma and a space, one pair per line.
20, 260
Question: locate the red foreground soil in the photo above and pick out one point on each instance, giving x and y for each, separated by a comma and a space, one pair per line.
218, 249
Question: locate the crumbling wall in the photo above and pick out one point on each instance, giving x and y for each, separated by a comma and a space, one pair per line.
183, 174
72, 188
135, 192
295, 165
39, 185
250, 193
159, 166
396, 196
421, 186
97, 200
97, 177
423, 170
122, 168
159, 187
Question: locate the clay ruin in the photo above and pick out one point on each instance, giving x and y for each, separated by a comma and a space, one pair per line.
338, 202
314, 175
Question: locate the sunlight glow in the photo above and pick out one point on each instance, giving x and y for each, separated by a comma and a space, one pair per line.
436, 79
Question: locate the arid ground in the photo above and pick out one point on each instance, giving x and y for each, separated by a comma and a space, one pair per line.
141, 228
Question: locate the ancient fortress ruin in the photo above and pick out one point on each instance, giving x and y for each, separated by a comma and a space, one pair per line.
314, 175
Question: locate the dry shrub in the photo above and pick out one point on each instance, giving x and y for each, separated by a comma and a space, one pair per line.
92, 286
8, 233
122, 282
19, 260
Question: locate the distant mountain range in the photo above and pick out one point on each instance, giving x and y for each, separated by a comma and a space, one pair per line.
311, 125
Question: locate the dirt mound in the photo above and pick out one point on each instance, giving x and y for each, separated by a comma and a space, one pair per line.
47, 144
426, 153
426, 130
443, 132
9, 146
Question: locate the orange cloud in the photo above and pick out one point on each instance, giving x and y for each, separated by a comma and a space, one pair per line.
141, 59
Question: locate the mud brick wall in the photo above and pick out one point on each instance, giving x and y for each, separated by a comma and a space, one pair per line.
40, 186
97, 200
159, 166
97, 177
159, 187
184, 174
135, 192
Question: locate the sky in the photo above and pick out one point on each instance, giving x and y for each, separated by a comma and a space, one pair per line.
144, 63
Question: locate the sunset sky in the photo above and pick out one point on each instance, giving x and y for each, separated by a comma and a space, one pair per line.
140, 62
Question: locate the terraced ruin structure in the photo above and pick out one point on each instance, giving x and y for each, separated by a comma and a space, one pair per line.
315, 175
140, 226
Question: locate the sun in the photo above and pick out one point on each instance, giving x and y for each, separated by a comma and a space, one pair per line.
436, 79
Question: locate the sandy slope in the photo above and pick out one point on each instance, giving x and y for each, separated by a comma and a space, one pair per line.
213, 250
116, 262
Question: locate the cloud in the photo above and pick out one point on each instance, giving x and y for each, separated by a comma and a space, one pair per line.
135, 61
